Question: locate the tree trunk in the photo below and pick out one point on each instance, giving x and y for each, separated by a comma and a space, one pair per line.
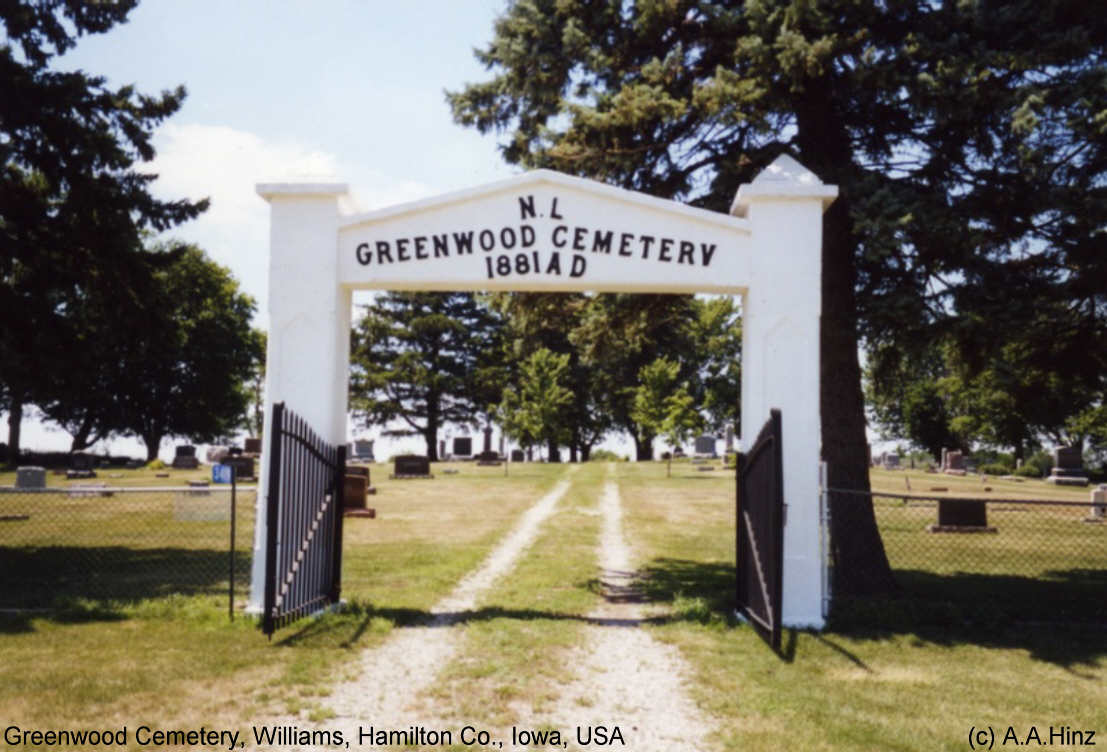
153, 444
552, 455
860, 563
572, 452
585, 452
857, 550
430, 435
81, 437
15, 426
643, 449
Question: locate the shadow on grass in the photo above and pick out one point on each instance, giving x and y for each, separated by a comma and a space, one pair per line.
698, 592
1059, 618
69, 584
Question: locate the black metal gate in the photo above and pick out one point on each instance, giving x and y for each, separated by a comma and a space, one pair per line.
303, 548
760, 513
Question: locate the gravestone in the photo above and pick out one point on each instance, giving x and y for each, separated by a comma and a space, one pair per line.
356, 490
363, 450
185, 458
487, 448
1098, 512
252, 445
1068, 467
30, 477
406, 466
955, 463
198, 504
729, 439
517, 455
463, 446
705, 446
891, 462
962, 516
441, 449
80, 466
488, 458
244, 466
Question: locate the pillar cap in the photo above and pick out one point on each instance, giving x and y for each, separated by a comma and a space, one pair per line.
270, 191
785, 179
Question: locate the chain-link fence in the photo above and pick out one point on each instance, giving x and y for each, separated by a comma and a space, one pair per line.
981, 560
58, 545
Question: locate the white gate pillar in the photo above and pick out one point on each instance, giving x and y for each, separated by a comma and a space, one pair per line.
780, 358
308, 350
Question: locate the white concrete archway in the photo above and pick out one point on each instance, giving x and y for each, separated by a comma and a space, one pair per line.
547, 231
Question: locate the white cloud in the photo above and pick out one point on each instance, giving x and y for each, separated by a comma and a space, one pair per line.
224, 164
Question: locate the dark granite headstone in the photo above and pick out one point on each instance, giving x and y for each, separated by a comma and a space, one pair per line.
955, 463
1068, 467
252, 445
891, 461
487, 449
962, 513
185, 458
355, 493
488, 458
80, 466
363, 450
517, 455
705, 446
463, 446
411, 466
244, 466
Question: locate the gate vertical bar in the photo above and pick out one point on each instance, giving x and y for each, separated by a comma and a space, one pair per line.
339, 501
268, 624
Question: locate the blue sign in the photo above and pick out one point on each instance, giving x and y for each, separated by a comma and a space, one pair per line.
221, 473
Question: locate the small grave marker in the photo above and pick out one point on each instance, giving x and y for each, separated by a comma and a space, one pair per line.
409, 466
1098, 512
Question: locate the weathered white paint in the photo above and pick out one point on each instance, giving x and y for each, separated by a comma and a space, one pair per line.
768, 252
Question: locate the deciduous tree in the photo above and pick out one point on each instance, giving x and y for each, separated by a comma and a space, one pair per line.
73, 199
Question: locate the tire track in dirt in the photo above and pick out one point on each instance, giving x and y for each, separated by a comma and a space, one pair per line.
625, 676
392, 676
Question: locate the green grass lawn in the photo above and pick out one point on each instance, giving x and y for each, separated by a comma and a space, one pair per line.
893, 675
178, 658
883, 685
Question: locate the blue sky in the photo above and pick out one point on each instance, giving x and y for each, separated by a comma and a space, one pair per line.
333, 90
